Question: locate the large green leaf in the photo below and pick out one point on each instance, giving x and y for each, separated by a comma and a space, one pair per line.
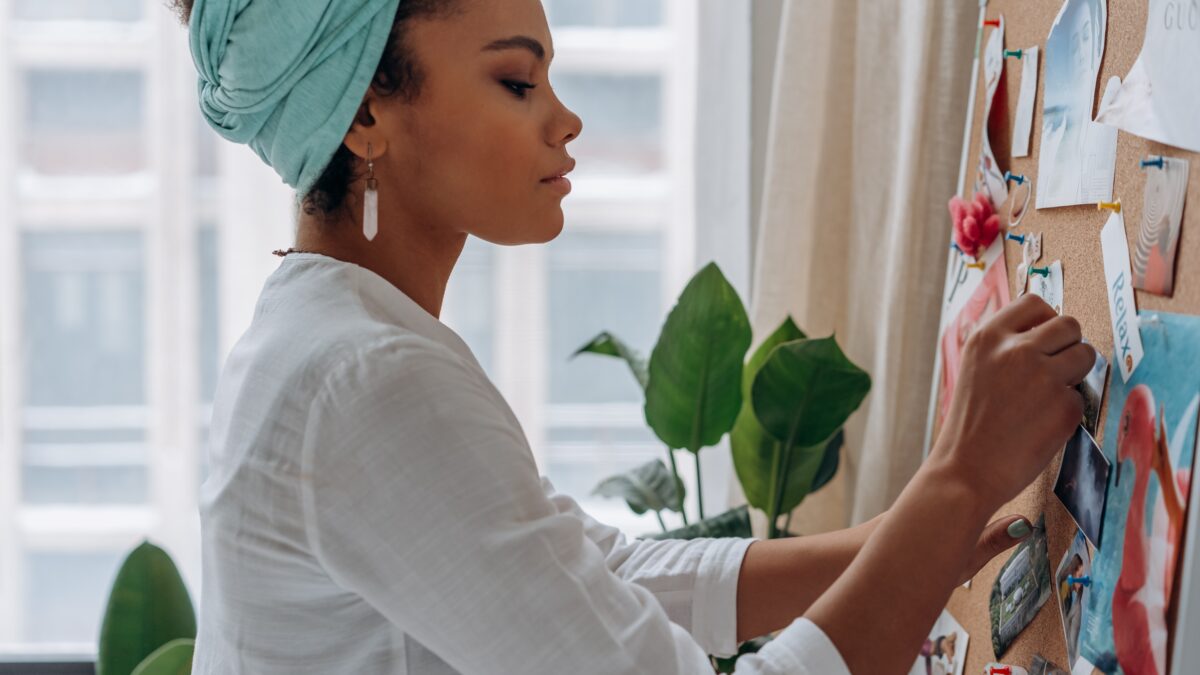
752, 446
802, 395
733, 523
829, 462
607, 344
693, 394
148, 607
806, 390
649, 487
173, 658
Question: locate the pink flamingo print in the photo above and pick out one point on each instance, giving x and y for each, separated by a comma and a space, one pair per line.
1140, 598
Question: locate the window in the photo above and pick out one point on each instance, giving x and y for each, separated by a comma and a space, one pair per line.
139, 241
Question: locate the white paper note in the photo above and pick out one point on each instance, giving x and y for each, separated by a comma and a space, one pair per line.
1159, 98
1049, 287
1127, 340
1023, 124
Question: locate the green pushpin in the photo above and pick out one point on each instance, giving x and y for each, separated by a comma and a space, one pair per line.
1014, 53
1044, 271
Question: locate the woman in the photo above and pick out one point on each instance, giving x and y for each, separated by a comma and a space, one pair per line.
373, 506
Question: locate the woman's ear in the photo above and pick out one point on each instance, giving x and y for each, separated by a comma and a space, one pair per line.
366, 129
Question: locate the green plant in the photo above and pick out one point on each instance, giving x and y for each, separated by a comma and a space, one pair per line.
784, 408
149, 625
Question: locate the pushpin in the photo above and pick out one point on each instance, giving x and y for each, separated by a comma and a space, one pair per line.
994, 23
1156, 161
954, 245
1086, 581
978, 265
1013, 53
1115, 207
1044, 271
1019, 238
1018, 178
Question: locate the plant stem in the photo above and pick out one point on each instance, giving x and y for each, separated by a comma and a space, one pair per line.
699, 486
787, 523
776, 452
675, 473
783, 474
660, 521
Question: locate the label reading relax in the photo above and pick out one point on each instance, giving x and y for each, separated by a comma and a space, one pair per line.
1127, 340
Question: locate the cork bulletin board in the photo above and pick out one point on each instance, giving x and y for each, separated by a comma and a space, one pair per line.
1072, 235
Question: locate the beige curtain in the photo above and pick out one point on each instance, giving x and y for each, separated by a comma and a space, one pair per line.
865, 140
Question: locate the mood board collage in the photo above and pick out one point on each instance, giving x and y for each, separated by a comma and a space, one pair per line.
1081, 152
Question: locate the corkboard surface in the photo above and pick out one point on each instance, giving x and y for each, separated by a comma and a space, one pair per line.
1072, 235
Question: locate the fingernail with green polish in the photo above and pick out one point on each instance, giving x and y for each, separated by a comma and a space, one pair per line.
1019, 528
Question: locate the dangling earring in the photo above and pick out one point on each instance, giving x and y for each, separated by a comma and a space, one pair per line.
370, 201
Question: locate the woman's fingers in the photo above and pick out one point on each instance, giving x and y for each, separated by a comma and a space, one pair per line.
1025, 313
1057, 334
1073, 364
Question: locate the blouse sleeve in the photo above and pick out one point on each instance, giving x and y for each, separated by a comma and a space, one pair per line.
421, 496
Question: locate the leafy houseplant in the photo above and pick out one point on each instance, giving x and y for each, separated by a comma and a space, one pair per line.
784, 408
149, 624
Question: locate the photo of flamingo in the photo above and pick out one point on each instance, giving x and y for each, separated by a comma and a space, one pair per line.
1150, 438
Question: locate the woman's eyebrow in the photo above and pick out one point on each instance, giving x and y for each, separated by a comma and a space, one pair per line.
517, 42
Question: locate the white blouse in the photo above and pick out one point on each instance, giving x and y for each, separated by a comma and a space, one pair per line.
372, 506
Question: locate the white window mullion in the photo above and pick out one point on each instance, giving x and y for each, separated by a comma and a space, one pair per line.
522, 336
10, 352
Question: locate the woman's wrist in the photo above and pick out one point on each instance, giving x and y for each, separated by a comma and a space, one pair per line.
964, 495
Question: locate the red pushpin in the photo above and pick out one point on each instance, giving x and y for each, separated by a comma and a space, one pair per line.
994, 23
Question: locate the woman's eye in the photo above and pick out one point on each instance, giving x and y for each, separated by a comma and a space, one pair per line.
517, 87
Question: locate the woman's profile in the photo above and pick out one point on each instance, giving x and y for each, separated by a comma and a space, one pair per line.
373, 505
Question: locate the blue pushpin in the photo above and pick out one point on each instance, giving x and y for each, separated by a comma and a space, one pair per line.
1086, 581
954, 246
1016, 177
1155, 161
1013, 53
1019, 238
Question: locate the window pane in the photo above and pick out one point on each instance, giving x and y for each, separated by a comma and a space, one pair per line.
84, 466
65, 595
622, 121
84, 320
102, 10
84, 346
83, 122
209, 315
605, 13
601, 282
469, 305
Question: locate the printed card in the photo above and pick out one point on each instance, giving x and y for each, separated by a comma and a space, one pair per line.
1127, 340
1162, 216
1049, 287
1023, 124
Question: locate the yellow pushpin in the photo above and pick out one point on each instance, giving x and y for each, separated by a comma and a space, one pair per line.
1115, 207
979, 265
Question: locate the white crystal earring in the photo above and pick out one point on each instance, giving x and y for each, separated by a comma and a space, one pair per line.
370, 201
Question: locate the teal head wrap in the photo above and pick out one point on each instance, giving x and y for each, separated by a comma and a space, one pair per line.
286, 77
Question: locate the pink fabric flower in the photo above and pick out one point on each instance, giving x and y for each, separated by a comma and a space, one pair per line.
976, 224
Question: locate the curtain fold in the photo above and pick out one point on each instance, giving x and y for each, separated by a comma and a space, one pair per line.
869, 100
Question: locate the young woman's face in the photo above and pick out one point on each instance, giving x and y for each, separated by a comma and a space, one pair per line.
478, 151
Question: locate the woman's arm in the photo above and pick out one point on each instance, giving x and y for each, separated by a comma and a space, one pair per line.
1014, 407
781, 578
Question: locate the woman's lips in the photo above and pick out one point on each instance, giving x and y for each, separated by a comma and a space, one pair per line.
558, 183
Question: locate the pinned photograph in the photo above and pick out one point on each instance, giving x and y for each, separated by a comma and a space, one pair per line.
989, 177
1073, 583
944, 651
1021, 588
1047, 283
989, 297
1162, 216
1150, 440
1082, 483
1092, 390
1078, 155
